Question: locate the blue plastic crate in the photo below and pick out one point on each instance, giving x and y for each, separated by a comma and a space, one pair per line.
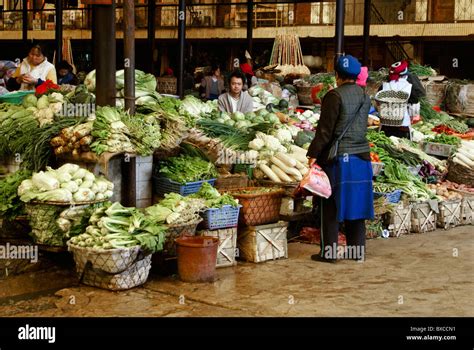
391, 197
215, 218
163, 185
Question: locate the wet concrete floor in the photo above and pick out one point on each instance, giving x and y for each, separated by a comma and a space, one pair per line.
429, 274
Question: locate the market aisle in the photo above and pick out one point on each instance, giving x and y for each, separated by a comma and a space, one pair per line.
415, 275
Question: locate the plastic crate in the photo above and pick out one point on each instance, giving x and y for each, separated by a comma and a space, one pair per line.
391, 197
162, 185
215, 218
15, 97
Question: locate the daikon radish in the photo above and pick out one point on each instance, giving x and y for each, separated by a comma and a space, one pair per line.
296, 149
285, 159
466, 153
281, 174
298, 157
267, 171
465, 160
290, 171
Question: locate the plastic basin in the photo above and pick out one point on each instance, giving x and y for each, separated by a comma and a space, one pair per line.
197, 256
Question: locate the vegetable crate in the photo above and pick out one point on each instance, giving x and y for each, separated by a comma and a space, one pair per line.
175, 231
438, 149
468, 211
424, 216
227, 249
224, 183
163, 185
114, 269
227, 216
390, 197
450, 213
399, 221
259, 208
263, 243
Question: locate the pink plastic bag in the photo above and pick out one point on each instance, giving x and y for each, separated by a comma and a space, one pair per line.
317, 182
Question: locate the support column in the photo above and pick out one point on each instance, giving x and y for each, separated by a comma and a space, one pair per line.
58, 30
182, 41
24, 11
129, 54
151, 29
340, 9
104, 54
250, 26
366, 47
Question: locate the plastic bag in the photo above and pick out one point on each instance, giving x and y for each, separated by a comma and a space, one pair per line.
317, 182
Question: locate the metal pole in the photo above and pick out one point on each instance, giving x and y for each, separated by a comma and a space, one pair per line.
340, 7
250, 26
367, 8
24, 10
58, 30
181, 39
104, 49
129, 53
151, 34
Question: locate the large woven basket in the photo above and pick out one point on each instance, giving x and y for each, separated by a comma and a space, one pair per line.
259, 208
392, 106
460, 174
175, 231
113, 269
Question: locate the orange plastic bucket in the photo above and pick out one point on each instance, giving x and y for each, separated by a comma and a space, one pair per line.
197, 256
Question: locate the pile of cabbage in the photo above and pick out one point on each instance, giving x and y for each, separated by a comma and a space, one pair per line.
68, 184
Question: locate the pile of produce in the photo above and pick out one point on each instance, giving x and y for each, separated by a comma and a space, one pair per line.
445, 140
114, 226
145, 86
197, 108
44, 108
110, 133
444, 193
465, 155
74, 220
74, 139
173, 126
175, 209
212, 197
283, 168
185, 169
21, 136
67, 184
144, 132
421, 71
10, 204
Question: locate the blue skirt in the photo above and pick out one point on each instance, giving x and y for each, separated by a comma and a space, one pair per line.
351, 182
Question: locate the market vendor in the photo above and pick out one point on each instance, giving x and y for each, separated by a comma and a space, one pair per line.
65, 74
350, 173
33, 70
400, 79
212, 85
236, 100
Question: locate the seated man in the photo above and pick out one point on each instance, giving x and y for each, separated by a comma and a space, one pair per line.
236, 100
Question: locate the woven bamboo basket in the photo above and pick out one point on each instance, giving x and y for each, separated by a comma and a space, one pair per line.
259, 208
392, 106
460, 174
175, 231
